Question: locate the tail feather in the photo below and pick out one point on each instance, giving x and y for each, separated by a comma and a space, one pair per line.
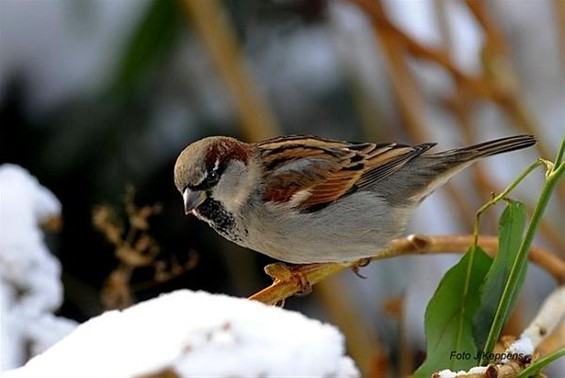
489, 148
433, 170
425, 173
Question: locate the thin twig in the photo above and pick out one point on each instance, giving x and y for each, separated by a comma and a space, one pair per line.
439, 56
497, 63
498, 84
405, 87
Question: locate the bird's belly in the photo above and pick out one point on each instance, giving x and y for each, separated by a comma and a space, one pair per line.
344, 231
319, 248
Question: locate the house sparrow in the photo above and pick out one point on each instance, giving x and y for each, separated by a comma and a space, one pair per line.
303, 199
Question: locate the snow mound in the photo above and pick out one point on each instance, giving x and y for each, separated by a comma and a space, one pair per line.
30, 286
196, 334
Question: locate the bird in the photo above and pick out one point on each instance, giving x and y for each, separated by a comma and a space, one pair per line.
303, 199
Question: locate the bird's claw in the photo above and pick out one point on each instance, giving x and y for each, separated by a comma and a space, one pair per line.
360, 264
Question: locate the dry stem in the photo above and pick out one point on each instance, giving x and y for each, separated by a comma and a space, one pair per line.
134, 248
216, 32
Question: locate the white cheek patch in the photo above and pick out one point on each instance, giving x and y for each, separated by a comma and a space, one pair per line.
236, 185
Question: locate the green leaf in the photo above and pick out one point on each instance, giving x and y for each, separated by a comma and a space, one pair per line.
511, 232
449, 316
152, 39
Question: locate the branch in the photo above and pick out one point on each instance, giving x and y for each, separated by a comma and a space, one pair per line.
548, 318
296, 279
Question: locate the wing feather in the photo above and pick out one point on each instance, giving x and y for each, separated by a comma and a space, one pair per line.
311, 172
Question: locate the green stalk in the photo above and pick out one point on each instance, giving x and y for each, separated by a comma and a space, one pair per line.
535, 368
500, 197
515, 280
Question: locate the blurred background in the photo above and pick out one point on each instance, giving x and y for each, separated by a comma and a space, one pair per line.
98, 97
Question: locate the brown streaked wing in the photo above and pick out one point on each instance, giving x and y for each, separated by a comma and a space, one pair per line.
300, 163
362, 170
327, 169
383, 162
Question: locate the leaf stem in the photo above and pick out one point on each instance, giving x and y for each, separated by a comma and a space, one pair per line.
501, 196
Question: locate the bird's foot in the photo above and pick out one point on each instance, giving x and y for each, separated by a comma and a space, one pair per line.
291, 273
289, 280
360, 264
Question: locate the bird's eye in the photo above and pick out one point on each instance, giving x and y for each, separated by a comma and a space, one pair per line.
212, 177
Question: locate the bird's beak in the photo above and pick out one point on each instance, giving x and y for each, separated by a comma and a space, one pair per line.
192, 199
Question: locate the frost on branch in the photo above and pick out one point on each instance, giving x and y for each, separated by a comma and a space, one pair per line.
30, 287
188, 334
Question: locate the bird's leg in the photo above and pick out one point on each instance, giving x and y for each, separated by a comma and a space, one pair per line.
360, 264
297, 273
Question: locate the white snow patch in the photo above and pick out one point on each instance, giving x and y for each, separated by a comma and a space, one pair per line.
452, 374
478, 370
30, 287
196, 334
518, 349
447, 374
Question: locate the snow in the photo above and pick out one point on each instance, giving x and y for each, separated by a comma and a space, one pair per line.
478, 370
196, 334
448, 374
546, 321
518, 349
30, 287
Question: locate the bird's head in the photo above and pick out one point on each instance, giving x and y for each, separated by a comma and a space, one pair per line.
216, 168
